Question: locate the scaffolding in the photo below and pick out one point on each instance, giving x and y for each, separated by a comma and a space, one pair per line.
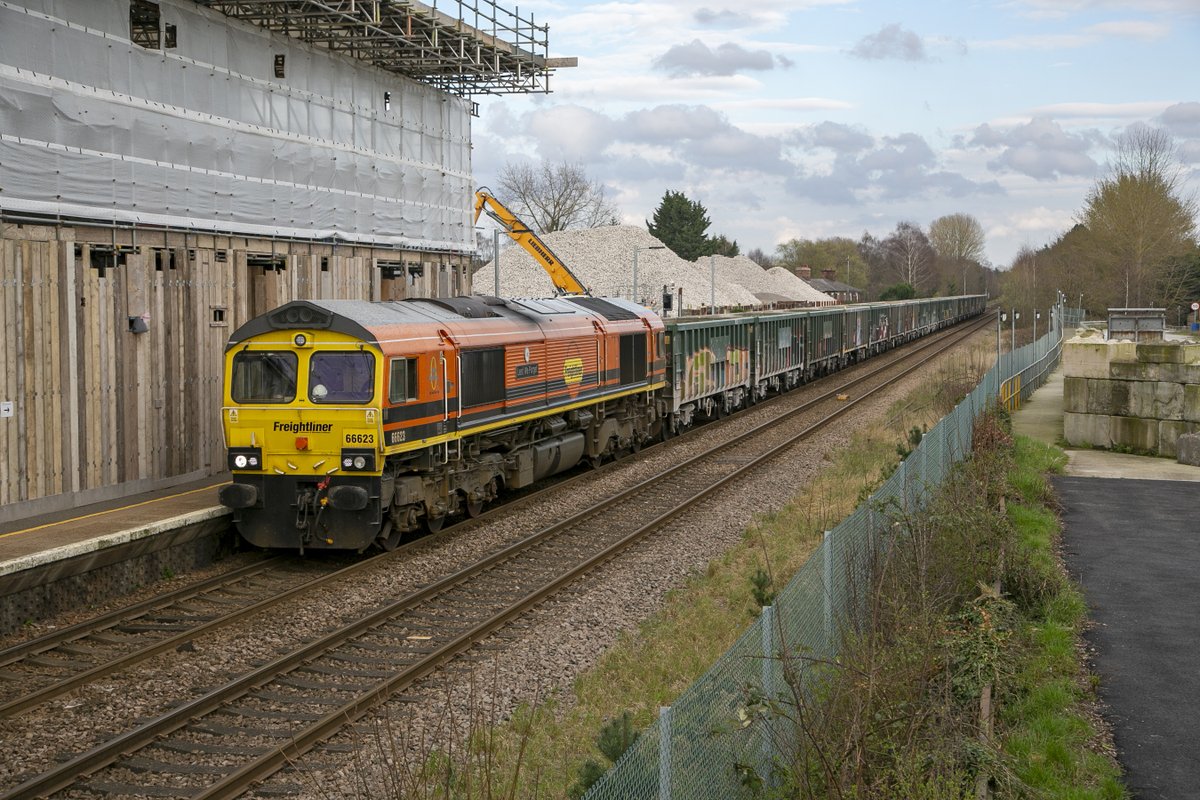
476, 48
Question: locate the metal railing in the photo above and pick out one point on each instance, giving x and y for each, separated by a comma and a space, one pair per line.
715, 734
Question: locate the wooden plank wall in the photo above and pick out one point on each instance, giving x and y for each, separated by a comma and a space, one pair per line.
97, 406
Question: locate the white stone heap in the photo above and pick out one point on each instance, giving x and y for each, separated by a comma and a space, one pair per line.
602, 258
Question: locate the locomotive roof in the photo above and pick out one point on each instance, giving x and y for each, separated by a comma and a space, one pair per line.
357, 317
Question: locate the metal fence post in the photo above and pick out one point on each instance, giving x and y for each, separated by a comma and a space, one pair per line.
664, 753
767, 620
827, 554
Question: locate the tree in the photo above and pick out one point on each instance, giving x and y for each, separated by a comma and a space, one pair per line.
680, 224
759, 257
1139, 222
721, 246
555, 197
901, 291
958, 240
909, 254
837, 253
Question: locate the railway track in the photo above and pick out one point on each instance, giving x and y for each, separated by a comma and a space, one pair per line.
221, 743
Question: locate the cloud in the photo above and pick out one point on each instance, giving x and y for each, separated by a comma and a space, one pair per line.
892, 42
697, 58
1058, 9
896, 168
723, 19
1040, 149
1183, 119
1189, 152
835, 136
1130, 29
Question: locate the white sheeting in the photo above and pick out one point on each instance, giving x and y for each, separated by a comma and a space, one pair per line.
203, 136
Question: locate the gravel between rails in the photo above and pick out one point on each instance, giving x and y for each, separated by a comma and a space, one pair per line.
537, 657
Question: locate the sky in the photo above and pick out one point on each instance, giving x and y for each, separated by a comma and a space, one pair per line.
816, 118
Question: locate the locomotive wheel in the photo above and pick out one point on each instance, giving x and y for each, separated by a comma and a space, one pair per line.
474, 507
389, 537
434, 524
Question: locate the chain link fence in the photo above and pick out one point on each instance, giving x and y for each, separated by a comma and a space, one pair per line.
720, 737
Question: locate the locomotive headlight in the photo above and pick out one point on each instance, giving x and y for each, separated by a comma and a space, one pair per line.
347, 462
360, 462
240, 461
300, 340
253, 461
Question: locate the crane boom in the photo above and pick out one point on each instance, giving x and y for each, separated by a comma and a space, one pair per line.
565, 281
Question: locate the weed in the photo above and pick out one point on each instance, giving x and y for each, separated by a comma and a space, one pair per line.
761, 588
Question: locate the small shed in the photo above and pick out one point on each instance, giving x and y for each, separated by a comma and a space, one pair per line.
1138, 324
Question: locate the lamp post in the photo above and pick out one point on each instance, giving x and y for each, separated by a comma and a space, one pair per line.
637, 250
1036, 316
1015, 317
1000, 318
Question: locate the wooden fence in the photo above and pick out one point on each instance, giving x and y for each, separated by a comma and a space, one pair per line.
99, 410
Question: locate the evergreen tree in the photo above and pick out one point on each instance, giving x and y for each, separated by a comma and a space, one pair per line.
721, 246
680, 224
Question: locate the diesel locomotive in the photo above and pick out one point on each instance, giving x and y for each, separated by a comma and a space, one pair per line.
351, 423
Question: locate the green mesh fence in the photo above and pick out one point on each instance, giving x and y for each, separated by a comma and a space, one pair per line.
723, 733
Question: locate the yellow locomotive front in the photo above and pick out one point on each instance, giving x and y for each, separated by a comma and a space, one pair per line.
302, 418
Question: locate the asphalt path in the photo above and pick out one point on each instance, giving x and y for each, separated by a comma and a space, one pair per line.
1134, 546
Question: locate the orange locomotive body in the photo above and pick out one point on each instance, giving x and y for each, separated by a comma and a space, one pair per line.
351, 422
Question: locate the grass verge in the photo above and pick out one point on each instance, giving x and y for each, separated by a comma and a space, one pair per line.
1047, 726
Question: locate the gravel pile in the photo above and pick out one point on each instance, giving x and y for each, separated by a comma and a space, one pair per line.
769, 286
602, 258
787, 283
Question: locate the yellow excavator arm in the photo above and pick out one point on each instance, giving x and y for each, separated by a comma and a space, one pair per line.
564, 280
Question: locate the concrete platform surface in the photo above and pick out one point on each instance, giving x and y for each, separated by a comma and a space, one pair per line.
37, 541
1041, 418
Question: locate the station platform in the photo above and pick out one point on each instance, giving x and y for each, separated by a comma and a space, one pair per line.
1131, 541
50, 562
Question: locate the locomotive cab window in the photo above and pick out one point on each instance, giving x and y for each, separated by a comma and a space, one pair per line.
341, 377
402, 380
263, 377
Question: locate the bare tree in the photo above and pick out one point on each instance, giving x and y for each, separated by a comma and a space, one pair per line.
1139, 219
959, 239
759, 257
909, 254
555, 197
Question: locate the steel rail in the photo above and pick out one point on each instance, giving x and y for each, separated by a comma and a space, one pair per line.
91, 761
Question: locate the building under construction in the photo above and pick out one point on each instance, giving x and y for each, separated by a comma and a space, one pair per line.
170, 169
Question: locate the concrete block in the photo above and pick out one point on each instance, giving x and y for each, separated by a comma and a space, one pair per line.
1085, 359
1133, 432
1191, 402
1099, 396
1191, 354
1160, 353
1124, 350
1155, 400
1133, 371
1075, 395
1119, 398
1187, 449
1169, 434
1087, 429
